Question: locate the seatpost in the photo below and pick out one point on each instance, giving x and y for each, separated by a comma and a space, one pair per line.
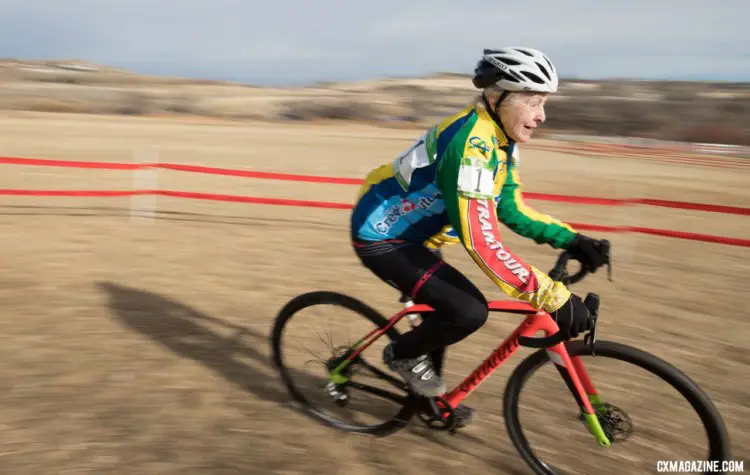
408, 302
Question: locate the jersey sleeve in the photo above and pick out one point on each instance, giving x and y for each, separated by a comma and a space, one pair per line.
527, 222
466, 178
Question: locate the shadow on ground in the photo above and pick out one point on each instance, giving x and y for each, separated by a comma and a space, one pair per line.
186, 332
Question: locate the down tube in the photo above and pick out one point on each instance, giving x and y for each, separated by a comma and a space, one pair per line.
531, 324
558, 354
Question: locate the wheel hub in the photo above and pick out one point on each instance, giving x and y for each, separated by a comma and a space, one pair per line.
337, 391
614, 421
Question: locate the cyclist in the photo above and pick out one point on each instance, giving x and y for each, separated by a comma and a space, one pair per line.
453, 185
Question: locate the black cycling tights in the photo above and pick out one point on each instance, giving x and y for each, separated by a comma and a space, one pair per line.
460, 308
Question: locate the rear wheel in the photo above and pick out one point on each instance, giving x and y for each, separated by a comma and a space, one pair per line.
365, 398
663, 429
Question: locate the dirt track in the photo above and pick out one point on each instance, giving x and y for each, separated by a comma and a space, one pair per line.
140, 346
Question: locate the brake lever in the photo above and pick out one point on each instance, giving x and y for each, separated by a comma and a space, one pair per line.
608, 261
590, 338
592, 302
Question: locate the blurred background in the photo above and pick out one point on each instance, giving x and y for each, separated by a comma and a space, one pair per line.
137, 297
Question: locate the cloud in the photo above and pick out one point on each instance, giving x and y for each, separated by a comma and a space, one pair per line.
296, 41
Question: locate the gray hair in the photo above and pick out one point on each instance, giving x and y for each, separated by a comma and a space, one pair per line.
493, 93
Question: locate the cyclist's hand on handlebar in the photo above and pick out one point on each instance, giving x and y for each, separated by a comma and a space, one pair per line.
591, 253
573, 317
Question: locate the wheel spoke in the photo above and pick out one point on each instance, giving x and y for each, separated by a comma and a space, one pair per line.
346, 403
317, 358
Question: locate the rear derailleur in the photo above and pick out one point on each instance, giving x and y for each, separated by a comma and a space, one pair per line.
337, 391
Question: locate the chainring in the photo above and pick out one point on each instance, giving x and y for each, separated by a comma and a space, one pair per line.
432, 414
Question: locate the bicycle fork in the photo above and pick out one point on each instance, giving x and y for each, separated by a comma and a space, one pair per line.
579, 383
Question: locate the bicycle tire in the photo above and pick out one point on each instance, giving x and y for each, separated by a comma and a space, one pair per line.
398, 422
719, 445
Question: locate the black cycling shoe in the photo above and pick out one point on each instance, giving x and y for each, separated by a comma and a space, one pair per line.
464, 415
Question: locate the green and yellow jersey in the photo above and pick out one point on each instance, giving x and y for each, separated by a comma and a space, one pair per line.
455, 184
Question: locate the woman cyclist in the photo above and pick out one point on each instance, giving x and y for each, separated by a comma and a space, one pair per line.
455, 184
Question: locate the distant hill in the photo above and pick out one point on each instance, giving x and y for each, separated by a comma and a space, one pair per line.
717, 112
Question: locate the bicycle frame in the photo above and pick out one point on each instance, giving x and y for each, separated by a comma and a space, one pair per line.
571, 369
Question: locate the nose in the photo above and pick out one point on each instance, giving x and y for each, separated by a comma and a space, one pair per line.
540, 116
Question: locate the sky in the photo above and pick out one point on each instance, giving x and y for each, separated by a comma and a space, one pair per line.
297, 42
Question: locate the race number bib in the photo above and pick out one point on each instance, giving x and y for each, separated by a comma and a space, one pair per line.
475, 178
421, 154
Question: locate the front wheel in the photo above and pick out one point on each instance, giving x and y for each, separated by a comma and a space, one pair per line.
558, 433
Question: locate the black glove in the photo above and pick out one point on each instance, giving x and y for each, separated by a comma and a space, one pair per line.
573, 317
589, 252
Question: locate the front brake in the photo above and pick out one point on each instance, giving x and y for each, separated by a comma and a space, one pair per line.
590, 338
592, 303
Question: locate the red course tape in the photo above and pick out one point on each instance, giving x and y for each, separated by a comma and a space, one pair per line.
357, 181
331, 205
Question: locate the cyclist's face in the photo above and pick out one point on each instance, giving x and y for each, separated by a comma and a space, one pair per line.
521, 113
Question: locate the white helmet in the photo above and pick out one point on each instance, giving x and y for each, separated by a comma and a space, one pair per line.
516, 69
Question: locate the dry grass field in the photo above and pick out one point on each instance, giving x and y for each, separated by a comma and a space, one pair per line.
139, 345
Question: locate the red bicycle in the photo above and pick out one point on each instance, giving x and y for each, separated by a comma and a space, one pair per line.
607, 423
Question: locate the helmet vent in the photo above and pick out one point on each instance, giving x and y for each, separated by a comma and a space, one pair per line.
544, 70
511, 62
550, 64
533, 77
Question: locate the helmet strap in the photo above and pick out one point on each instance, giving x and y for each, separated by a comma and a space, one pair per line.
494, 115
